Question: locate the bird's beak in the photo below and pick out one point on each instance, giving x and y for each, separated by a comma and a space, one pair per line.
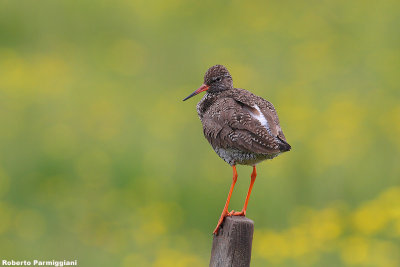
202, 88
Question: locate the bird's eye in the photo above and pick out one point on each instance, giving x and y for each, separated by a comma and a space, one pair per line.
217, 79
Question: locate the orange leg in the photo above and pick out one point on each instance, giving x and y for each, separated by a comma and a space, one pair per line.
243, 212
225, 210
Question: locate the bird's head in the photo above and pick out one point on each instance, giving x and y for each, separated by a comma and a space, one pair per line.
216, 79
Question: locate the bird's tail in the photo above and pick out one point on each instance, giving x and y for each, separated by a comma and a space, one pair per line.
283, 145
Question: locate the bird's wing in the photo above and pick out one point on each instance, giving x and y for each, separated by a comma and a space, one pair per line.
230, 123
265, 107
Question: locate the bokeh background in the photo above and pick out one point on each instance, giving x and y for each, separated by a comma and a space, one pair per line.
101, 161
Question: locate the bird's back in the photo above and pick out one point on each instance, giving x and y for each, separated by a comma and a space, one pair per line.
241, 127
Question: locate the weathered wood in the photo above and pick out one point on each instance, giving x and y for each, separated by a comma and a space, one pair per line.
232, 246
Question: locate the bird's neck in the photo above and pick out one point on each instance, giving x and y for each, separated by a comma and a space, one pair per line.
205, 103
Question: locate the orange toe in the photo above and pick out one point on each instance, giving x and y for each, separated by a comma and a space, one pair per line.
238, 213
232, 213
224, 214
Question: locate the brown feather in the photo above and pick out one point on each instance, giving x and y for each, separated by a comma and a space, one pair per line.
241, 127
228, 122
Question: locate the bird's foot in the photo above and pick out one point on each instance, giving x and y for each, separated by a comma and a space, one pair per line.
224, 214
237, 213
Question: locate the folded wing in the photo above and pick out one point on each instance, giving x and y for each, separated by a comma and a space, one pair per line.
244, 121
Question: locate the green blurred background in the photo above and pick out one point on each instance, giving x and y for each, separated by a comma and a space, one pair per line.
101, 161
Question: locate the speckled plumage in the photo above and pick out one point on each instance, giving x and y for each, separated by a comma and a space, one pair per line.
241, 127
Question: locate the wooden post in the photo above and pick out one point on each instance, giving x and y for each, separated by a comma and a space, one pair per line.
232, 246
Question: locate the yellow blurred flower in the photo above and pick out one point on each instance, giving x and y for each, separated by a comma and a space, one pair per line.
30, 224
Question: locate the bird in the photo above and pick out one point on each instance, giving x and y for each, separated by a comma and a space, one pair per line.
242, 128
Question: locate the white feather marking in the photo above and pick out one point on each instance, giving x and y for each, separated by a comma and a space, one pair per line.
260, 117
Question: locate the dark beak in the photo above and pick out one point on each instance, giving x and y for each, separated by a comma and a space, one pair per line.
202, 88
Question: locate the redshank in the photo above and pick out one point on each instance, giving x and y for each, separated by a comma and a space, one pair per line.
241, 127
